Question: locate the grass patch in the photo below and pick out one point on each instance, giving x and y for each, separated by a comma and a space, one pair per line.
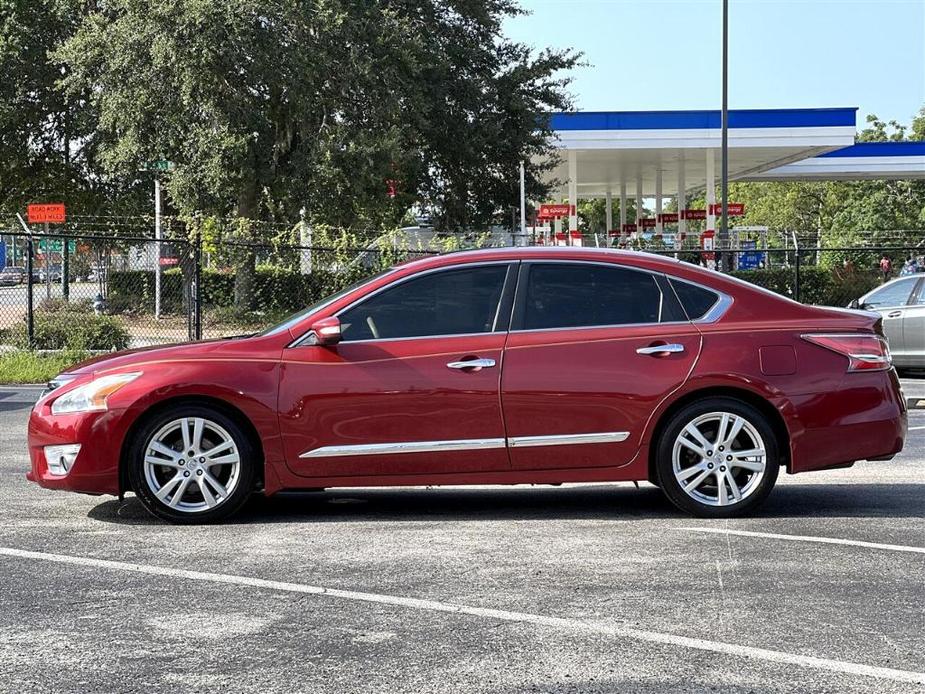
29, 367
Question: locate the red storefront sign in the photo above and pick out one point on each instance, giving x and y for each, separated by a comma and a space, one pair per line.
668, 218
613, 232
647, 222
575, 234
693, 214
47, 212
629, 228
554, 211
733, 209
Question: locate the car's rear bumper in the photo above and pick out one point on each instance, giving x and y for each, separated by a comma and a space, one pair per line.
864, 419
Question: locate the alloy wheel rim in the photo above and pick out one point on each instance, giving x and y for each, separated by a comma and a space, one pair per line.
192, 465
719, 459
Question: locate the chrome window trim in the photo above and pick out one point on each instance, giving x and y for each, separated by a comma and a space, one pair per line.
716, 311
404, 447
567, 439
457, 266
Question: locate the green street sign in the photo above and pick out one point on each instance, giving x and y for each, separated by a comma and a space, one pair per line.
159, 165
56, 246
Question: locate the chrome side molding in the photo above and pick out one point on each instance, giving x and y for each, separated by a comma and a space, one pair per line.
568, 439
403, 447
464, 444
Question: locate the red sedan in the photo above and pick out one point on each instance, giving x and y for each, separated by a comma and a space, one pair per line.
503, 366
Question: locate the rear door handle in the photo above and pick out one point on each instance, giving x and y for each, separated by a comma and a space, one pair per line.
471, 364
654, 350
894, 314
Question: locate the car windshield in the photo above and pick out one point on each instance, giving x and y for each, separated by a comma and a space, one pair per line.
317, 306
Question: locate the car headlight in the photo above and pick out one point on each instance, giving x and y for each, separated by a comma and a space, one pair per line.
91, 396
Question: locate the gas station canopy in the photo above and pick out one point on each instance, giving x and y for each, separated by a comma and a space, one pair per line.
653, 154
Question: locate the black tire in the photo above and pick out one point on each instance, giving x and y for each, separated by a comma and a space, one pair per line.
698, 502
215, 421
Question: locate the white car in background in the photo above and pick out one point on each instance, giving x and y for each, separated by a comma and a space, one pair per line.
901, 302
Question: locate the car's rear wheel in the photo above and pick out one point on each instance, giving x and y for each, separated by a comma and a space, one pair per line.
192, 464
717, 457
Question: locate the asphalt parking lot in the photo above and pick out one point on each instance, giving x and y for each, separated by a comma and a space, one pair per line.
601, 588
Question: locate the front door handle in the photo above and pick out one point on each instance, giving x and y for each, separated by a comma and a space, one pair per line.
471, 364
655, 350
894, 314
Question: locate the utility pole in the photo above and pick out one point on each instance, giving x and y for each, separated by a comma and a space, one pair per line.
724, 220
523, 207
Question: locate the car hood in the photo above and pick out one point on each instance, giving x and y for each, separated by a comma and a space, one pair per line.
128, 358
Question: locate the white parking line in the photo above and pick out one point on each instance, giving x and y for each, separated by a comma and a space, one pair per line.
914, 428
810, 538
562, 623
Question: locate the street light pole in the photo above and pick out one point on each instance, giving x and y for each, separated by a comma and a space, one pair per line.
724, 221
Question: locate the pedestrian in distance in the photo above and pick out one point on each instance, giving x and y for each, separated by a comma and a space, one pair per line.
886, 268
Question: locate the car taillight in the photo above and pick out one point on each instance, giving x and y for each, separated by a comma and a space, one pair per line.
865, 352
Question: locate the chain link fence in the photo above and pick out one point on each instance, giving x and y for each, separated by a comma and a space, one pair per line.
95, 288
87, 292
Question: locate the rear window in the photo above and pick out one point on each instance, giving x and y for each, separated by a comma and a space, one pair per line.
696, 300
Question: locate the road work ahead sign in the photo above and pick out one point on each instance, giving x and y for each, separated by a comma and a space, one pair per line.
46, 212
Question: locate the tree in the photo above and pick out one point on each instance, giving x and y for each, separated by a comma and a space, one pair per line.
271, 106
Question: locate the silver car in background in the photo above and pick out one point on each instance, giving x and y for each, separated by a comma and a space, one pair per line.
901, 302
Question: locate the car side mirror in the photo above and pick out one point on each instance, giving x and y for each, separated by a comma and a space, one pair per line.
326, 331
854, 304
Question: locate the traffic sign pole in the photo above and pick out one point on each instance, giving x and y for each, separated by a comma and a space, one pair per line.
65, 270
157, 248
47, 267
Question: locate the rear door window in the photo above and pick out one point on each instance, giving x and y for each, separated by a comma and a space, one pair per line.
578, 295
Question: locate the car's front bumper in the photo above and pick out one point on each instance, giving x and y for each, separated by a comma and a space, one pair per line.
96, 467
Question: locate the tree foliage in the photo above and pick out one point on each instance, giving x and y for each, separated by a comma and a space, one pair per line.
271, 106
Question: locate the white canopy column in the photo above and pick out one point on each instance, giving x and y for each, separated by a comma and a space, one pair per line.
638, 201
608, 212
682, 198
658, 201
572, 192
622, 204
711, 191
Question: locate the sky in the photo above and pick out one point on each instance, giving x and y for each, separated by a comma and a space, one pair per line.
666, 54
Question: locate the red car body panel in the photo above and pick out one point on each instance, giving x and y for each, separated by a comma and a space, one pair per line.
388, 392
588, 381
573, 381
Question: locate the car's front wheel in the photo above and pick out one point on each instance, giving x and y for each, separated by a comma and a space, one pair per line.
717, 458
192, 464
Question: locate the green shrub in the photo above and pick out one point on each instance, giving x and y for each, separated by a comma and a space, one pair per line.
73, 330
134, 290
59, 304
818, 285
